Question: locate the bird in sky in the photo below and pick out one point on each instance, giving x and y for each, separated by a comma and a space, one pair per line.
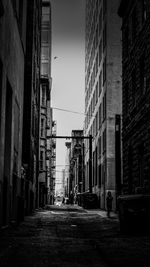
55, 57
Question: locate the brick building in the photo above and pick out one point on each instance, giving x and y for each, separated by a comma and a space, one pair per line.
136, 95
12, 61
30, 144
103, 97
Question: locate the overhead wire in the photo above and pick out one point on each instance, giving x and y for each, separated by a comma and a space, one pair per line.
72, 111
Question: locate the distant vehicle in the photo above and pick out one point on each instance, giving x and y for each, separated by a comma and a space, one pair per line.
58, 201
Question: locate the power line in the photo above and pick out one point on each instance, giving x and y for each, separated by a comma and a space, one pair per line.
72, 111
67, 110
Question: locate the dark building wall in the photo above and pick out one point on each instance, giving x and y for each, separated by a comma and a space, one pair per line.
31, 104
46, 150
136, 95
12, 49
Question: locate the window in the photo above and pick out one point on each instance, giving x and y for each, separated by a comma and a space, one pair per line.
45, 14
45, 10
45, 36
42, 127
43, 95
41, 160
45, 53
44, 68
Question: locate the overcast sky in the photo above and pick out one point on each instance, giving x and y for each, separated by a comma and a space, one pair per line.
68, 45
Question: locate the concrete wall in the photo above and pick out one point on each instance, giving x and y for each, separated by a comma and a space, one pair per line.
110, 86
113, 90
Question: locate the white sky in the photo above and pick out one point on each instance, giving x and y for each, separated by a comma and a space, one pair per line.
68, 71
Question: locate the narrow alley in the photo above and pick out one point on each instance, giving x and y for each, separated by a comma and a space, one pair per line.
74, 133
67, 236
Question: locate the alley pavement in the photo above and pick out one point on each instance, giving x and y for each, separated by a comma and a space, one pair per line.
69, 236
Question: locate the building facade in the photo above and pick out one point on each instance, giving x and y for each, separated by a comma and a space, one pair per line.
12, 62
45, 143
30, 147
53, 163
136, 95
76, 168
103, 97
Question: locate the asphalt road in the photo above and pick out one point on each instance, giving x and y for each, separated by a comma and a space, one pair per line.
69, 236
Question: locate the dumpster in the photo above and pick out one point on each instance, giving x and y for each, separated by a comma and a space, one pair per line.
87, 200
134, 212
